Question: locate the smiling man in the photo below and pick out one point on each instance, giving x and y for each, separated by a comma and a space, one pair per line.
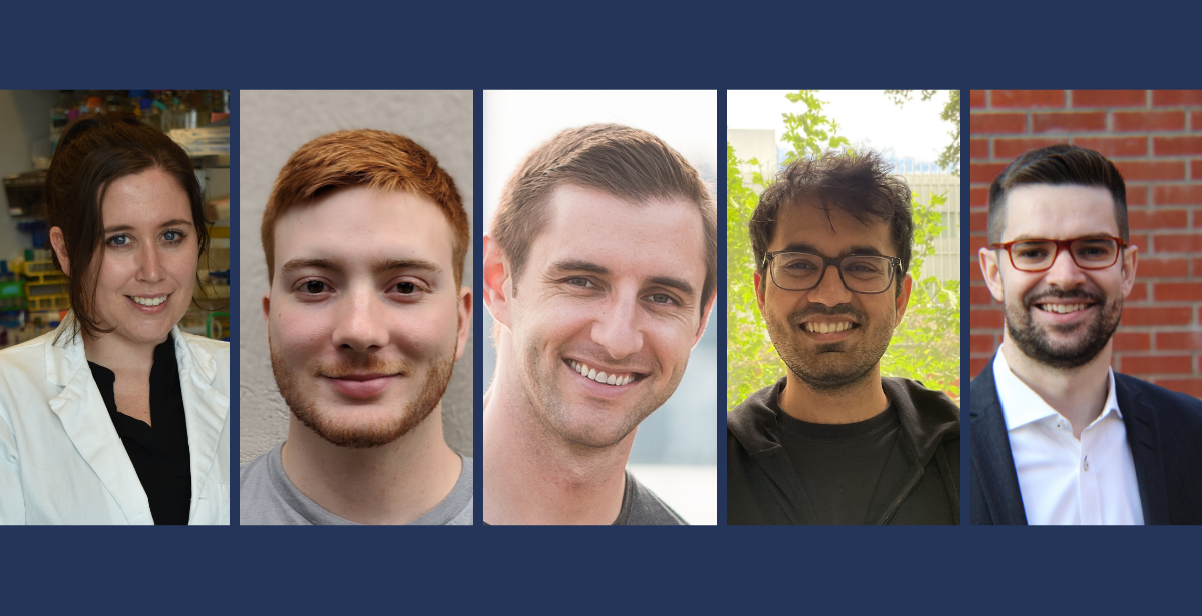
1059, 437
600, 270
365, 238
832, 442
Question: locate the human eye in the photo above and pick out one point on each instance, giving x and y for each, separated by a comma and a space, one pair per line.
579, 282
173, 236
1030, 251
407, 289
119, 240
663, 299
312, 288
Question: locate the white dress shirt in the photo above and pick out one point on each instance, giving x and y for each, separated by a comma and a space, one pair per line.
1064, 480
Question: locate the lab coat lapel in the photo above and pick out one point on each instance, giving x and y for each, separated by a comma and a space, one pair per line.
205, 409
87, 423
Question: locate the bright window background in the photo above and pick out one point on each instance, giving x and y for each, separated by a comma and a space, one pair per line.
675, 452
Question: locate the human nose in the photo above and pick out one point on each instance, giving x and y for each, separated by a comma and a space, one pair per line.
1064, 272
830, 290
360, 325
150, 265
617, 330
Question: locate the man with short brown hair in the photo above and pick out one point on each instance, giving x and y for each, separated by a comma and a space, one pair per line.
600, 271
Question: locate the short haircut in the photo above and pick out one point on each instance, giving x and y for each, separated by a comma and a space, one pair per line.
628, 163
1058, 165
364, 158
93, 152
859, 184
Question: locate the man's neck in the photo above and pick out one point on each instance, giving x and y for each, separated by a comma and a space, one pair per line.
537, 477
390, 484
857, 402
1076, 393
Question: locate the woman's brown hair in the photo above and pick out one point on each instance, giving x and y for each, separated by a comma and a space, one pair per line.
93, 152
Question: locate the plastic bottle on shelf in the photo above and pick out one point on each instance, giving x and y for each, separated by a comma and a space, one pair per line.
59, 116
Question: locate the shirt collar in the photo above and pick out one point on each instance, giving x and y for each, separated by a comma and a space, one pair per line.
1021, 405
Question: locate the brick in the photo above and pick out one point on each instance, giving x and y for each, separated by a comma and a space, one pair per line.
1139, 293
978, 221
978, 149
1013, 148
1027, 99
996, 123
1195, 169
976, 243
1177, 194
1158, 364
979, 295
1128, 341
1162, 268
1175, 98
1197, 267
977, 364
1141, 240
1177, 146
1195, 120
1109, 98
1115, 146
1137, 194
1177, 242
988, 318
976, 99
1068, 122
1190, 387
1140, 170
985, 173
1130, 121
978, 197
1141, 218
1157, 315
1179, 340
974, 273
981, 344
1177, 291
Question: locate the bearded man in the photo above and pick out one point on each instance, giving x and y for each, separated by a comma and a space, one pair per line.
365, 238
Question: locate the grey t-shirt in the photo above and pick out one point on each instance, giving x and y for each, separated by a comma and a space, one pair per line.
267, 496
641, 507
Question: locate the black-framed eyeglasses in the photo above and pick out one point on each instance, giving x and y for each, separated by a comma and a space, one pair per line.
1038, 255
802, 271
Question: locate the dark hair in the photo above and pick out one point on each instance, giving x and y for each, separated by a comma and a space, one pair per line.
370, 158
93, 152
859, 184
1057, 165
628, 163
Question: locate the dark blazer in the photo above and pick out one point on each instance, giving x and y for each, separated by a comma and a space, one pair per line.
1164, 431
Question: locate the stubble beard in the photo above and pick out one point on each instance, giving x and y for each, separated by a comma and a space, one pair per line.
1034, 341
362, 436
821, 369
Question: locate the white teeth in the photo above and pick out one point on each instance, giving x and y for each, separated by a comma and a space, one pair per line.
827, 328
150, 301
601, 377
1063, 308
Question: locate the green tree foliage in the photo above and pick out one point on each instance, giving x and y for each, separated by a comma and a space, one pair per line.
950, 157
924, 347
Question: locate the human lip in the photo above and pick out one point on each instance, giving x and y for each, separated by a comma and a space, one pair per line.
362, 385
829, 328
149, 304
1062, 308
611, 377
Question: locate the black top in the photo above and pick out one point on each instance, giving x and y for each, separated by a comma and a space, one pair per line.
159, 451
841, 465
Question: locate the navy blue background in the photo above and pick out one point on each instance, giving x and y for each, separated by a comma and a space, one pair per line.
599, 45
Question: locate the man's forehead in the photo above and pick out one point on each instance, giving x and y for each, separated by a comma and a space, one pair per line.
809, 222
1054, 211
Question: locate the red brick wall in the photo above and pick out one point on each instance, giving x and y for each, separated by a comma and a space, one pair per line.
1155, 139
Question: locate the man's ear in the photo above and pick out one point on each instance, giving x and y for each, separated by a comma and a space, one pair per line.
267, 309
465, 319
1130, 260
903, 298
705, 316
987, 258
60, 249
758, 281
497, 287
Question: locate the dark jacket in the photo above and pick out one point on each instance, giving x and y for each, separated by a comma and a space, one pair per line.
762, 487
1164, 431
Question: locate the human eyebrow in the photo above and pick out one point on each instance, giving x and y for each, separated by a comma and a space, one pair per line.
388, 265
575, 265
863, 250
673, 283
302, 264
1027, 237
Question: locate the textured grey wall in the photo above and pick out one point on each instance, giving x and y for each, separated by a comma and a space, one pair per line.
273, 125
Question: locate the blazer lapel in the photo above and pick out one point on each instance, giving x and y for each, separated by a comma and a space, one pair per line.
87, 423
993, 462
205, 410
1143, 439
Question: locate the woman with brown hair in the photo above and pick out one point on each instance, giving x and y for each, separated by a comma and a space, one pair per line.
117, 417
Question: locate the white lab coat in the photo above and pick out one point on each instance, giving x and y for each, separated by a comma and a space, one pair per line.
61, 461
